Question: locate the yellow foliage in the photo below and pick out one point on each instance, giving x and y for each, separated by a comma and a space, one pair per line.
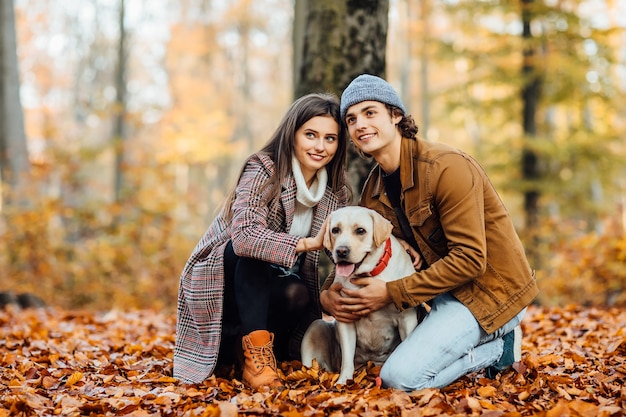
198, 127
98, 256
589, 269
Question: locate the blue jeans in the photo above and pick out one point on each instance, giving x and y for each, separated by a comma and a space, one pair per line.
448, 344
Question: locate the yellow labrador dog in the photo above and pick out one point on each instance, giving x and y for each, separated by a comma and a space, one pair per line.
361, 244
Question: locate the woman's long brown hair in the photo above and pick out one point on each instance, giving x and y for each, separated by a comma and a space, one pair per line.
281, 145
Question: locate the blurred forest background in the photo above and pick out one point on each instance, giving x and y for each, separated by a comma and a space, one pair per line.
124, 122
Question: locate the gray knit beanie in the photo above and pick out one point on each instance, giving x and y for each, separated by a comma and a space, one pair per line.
367, 87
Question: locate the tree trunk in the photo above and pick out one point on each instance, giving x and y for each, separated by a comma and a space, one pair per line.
424, 73
243, 131
119, 133
299, 36
531, 92
14, 162
339, 41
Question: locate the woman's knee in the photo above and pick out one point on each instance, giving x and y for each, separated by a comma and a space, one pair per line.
296, 296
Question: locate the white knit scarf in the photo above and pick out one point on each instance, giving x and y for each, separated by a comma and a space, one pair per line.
306, 198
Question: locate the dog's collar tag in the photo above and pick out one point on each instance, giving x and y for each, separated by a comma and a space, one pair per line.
384, 260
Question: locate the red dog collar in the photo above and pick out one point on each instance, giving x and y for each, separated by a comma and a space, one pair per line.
384, 260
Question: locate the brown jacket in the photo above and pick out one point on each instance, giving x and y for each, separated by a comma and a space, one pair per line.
463, 231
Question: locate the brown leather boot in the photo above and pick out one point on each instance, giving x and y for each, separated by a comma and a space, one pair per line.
259, 368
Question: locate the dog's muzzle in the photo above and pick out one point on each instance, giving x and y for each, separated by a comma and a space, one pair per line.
342, 253
343, 266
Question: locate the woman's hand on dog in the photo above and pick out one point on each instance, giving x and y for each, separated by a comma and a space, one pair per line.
307, 244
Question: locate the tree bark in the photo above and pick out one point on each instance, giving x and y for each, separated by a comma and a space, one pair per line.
339, 41
531, 92
14, 162
119, 133
530, 96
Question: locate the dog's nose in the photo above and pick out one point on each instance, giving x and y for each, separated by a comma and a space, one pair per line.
342, 252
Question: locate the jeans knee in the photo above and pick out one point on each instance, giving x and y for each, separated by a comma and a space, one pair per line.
397, 375
402, 377
388, 377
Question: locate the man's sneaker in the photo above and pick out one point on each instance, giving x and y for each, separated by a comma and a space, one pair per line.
511, 352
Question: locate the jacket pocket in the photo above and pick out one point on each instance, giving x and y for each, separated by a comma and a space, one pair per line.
419, 215
425, 223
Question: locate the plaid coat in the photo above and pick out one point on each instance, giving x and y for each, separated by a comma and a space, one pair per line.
257, 233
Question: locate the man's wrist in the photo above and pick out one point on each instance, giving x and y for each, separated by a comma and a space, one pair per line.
323, 295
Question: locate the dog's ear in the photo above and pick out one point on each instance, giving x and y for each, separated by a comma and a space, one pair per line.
328, 237
382, 228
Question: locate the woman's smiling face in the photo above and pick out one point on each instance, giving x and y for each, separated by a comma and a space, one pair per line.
316, 144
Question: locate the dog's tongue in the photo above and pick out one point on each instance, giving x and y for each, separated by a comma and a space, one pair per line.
344, 269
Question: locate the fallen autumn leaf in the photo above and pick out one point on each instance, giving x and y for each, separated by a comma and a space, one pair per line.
71, 363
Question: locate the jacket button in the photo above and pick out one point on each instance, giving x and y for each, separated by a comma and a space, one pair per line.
405, 305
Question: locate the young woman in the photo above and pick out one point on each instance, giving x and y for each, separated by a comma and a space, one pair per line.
250, 288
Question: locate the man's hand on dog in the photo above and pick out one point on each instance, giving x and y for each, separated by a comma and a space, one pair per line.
350, 305
336, 305
417, 258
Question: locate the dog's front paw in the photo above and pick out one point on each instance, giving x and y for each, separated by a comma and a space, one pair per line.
343, 379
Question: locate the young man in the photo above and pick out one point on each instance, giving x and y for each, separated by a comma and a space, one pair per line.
470, 264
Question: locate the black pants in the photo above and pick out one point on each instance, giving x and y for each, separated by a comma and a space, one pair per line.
257, 297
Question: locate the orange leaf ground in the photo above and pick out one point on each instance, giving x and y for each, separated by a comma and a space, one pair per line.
67, 363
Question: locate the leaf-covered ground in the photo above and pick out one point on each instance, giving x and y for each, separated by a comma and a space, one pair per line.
68, 363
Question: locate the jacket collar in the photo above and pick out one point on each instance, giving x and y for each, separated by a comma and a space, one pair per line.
408, 173
407, 161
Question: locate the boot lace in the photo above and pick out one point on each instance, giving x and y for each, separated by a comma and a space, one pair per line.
263, 356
